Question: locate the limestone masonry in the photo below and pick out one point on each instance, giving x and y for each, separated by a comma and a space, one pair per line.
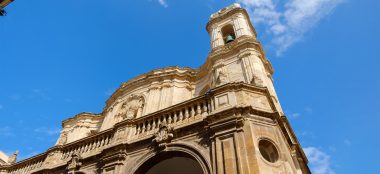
222, 118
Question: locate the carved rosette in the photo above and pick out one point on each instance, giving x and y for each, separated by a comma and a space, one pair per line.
163, 136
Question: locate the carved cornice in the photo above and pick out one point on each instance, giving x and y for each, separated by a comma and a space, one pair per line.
157, 75
290, 136
82, 116
4, 3
241, 47
227, 15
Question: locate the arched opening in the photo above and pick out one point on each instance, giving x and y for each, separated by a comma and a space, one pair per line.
171, 163
228, 33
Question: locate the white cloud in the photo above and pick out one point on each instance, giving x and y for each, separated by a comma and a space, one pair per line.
287, 26
347, 142
309, 110
6, 131
319, 161
163, 3
41, 94
48, 131
295, 115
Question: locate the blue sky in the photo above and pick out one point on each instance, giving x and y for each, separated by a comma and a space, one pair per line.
60, 59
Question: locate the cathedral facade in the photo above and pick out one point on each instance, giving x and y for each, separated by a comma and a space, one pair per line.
222, 118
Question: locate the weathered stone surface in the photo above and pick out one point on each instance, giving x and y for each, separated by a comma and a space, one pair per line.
216, 115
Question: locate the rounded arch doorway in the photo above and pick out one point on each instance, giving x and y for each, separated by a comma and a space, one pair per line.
171, 163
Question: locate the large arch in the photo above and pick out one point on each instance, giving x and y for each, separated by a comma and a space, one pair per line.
173, 154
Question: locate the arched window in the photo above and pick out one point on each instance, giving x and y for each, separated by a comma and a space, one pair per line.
228, 33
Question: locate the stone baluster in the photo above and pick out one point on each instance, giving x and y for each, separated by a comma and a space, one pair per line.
97, 143
86, 147
199, 110
204, 110
164, 119
80, 148
180, 115
103, 141
107, 140
90, 146
154, 124
175, 118
138, 129
143, 127
192, 113
148, 126
170, 119
186, 113
159, 121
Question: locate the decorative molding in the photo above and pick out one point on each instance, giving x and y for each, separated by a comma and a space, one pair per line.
74, 163
163, 136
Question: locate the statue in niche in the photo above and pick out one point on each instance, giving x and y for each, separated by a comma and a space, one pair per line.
132, 108
222, 76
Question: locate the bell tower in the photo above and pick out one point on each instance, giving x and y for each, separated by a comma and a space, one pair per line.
231, 31
237, 57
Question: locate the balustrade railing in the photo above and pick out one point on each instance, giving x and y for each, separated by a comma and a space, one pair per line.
177, 115
94, 144
27, 166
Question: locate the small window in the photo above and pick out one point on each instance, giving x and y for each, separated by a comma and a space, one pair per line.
268, 151
228, 33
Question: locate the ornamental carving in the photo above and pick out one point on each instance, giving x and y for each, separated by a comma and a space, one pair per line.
13, 158
74, 164
53, 158
222, 76
163, 136
132, 107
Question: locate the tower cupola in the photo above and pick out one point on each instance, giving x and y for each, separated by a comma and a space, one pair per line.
228, 24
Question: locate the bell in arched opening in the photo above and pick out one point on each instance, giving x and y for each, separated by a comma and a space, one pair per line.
229, 38
228, 33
